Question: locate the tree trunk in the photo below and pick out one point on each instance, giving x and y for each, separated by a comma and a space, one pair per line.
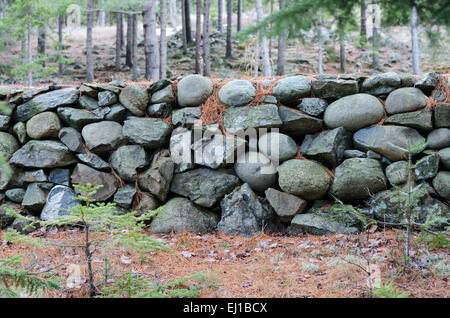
414, 39
188, 22
163, 38
101, 16
152, 58
220, 16
29, 55
270, 39
281, 48
60, 43
122, 35
319, 38
375, 59
342, 53
128, 58
363, 31
183, 29
118, 40
206, 47
239, 15
267, 70
198, 36
41, 44
228, 54
135, 48
173, 13
89, 57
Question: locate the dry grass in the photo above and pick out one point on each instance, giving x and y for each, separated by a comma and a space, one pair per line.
261, 266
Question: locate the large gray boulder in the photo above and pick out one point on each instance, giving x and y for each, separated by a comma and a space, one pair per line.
329, 146
256, 170
397, 172
278, 147
4, 122
43, 154
385, 140
357, 178
439, 138
405, 99
242, 213
5, 219
204, 186
20, 132
15, 195
420, 120
82, 175
77, 118
47, 101
94, 161
106, 98
186, 117
285, 205
426, 168
444, 155
427, 82
390, 206
441, 184
313, 106
135, 99
103, 136
241, 118
34, 198
289, 90
332, 89
45, 125
59, 201
8, 145
308, 180
180, 149
157, 179
127, 160
381, 85
180, 214
193, 90
164, 95
237, 93
150, 133
72, 139
295, 123
318, 224
354, 112
442, 116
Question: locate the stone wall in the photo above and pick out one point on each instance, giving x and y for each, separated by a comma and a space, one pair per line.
339, 138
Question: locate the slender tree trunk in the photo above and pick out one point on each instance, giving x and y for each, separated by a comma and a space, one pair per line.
107, 18
239, 15
267, 69
60, 43
414, 39
183, 29
188, 22
363, 31
342, 53
281, 47
173, 13
29, 55
320, 40
198, 36
375, 58
135, 47
151, 42
257, 58
220, 16
206, 47
122, 35
228, 54
163, 38
89, 57
101, 16
270, 40
128, 58
41, 43
118, 40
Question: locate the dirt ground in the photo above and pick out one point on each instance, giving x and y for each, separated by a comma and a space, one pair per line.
262, 266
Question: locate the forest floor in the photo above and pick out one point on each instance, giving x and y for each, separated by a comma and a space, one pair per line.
262, 266
301, 55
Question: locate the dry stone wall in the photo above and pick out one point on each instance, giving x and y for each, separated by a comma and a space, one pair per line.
275, 161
